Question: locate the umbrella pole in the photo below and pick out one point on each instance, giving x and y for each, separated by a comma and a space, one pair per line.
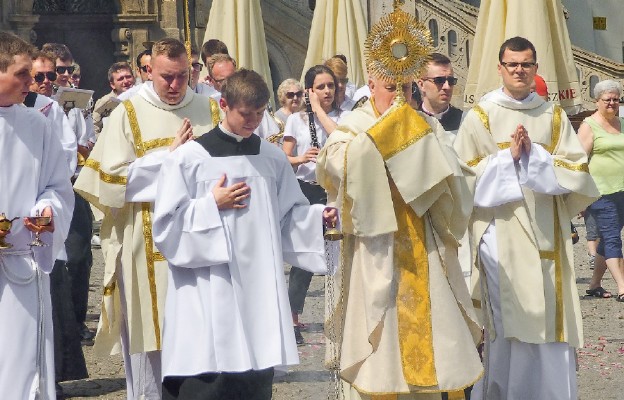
187, 37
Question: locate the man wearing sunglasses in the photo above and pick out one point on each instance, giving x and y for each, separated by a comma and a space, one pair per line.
532, 177
70, 278
436, 88
43, 74
144, 65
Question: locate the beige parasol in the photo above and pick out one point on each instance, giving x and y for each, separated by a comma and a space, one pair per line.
540, 21
238, 23
338, 27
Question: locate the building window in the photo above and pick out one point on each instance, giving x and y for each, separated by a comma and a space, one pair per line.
593, 80
433, 28
452, 43
467, 52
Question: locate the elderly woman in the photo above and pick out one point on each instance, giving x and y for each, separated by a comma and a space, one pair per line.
290, 97
602, 137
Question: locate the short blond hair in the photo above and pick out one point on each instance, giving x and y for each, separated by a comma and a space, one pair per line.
169, 47
338, 67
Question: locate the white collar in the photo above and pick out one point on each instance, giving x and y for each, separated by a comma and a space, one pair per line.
230, 134
149, 94
434, 115
501, 98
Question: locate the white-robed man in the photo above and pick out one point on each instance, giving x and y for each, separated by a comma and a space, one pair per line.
399, 316
532, 177
226, 248
35, 179
119, 178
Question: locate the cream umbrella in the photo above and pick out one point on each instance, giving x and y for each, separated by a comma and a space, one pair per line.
540, 21
338, 27
238, 23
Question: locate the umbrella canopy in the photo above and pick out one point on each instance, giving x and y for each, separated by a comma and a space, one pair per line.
238, 24
540, 21
338, 27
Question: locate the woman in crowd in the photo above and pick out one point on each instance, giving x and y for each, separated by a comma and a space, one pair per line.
320, 85
290, 97
602, 136
339, 68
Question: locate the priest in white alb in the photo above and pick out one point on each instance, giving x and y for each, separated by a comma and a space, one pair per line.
34, 180
532, 178
399, 317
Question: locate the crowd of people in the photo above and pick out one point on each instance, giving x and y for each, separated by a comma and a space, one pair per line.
455, 276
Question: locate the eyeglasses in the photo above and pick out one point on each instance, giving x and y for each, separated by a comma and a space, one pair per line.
439, 80
143, 68
75, 76
513, 65
62, 70
343, 81
41, 76
197, 66
609, 101
291, 95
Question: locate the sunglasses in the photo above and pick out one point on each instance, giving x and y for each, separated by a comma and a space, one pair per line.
41, 76
439, 80
291, 95
62, 70
75, 76
143, 68
197, 66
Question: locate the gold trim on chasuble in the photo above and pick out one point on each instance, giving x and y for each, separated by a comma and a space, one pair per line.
104, 177
150, 255
393, 133
554, 255
215, 112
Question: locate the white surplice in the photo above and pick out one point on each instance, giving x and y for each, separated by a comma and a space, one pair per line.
35, 176
60, 126
521, 230
226, 274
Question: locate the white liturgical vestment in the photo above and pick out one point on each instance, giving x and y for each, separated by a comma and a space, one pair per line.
35, 176
226, 275
521, 225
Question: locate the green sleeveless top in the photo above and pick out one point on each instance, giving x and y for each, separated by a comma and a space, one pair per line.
606, 164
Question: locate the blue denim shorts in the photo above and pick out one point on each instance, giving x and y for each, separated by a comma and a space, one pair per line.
609, 213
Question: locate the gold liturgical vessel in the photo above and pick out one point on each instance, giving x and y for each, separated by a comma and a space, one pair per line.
332, 233
5, 225
39, 220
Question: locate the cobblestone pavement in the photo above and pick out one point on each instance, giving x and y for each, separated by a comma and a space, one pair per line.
601, 360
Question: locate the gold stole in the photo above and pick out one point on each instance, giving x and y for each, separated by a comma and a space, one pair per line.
395, 132
151, 255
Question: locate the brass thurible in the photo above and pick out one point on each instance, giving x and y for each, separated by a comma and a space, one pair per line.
332, 233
